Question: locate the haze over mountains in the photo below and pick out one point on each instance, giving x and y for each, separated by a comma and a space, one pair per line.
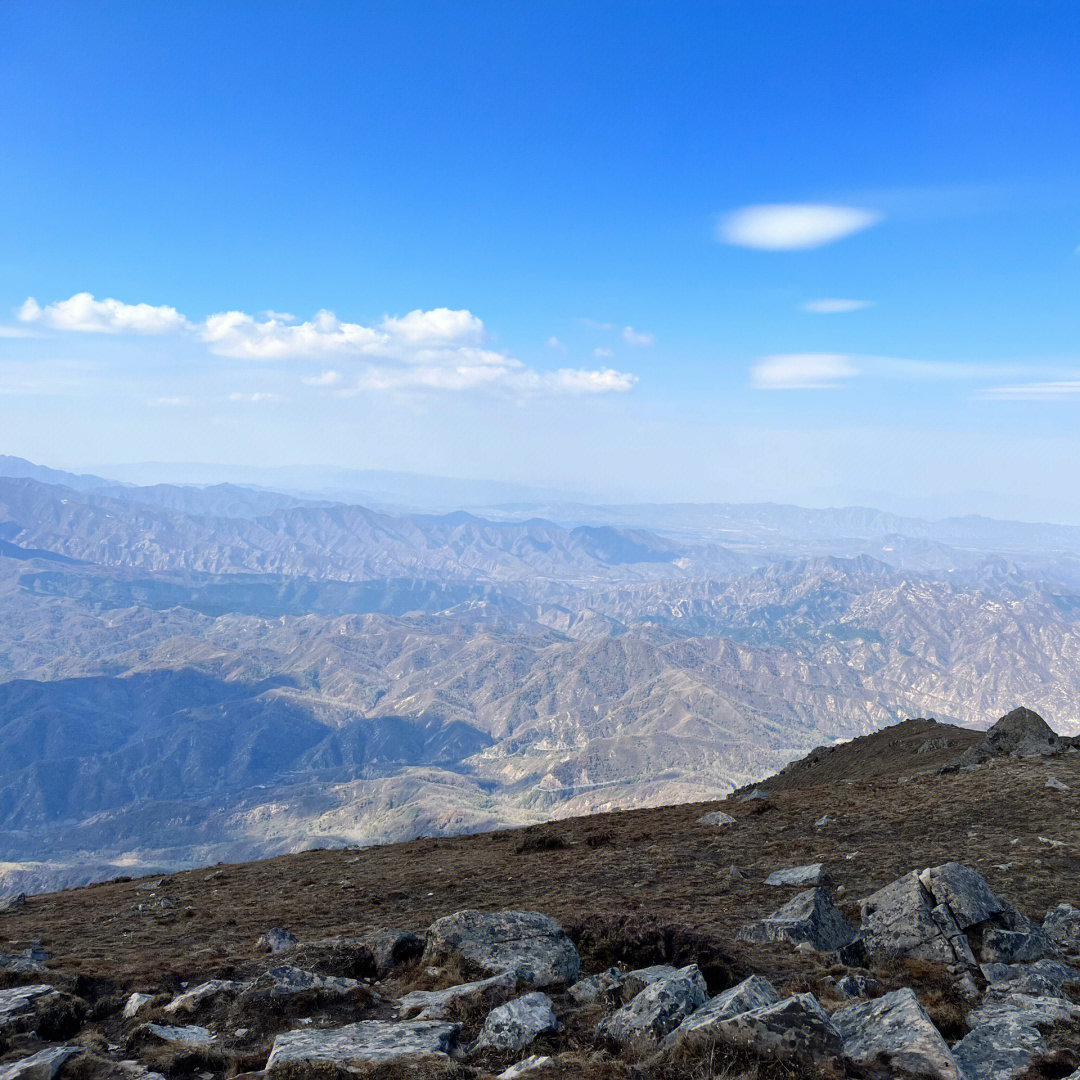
190, 674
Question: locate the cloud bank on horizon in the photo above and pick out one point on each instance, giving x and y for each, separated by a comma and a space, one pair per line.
439, 349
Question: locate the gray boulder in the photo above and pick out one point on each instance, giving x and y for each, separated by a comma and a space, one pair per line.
812, 874
717, 817
357, 1044
1021, 733
1062, 926
20, 1005
389, 948
1012, 938
752, 993
797, 1027
657, 1009
439, 1004
895, 1031
532, 946
29, 961
604, 987
43, 1065
1007, 1034
809, 917
1046, 978
516, 1024
856, 985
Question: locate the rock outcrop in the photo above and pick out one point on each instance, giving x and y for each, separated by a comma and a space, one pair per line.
513, 1026
657, 1009
362, 1043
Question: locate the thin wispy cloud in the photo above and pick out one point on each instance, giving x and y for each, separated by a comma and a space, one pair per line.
594, 325
257, 398
835, 306
802, 371
601, 352
792, 226
554, 343
438, 349
1060, 390
637, 339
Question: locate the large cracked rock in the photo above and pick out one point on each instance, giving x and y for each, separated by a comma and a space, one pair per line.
513, 1026
657, 1009
811, 918
439, 1004
797, 1027
1021, 733
924, 916
752, 993
894, 1031
361, 1043
532, 946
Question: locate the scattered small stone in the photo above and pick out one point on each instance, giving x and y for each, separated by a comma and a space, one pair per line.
526, 1065
276, 940
1055, 784
135, 1003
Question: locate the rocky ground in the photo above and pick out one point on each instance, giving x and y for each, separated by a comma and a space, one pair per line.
906, 904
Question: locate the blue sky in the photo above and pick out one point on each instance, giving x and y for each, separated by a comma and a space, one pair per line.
815, 252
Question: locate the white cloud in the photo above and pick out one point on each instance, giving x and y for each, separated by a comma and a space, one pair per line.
171, 402
82, 312
792, 226
440, 326
601, 352
835, 306
802, 371
554, 343
15, 332
437, 349
257, 397
637, 338
1062, 390
592, 382
327, 378
239, 335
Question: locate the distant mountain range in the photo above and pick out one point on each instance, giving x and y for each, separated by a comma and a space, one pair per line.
190, 674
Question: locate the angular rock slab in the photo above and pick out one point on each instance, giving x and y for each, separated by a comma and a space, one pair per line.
902, 919
1043, 977
43, 1065
437, 1004
20, 1004
797, 1027
752, 993
531, 945
658, 1009
1012, 938
969, 896
513, 1026
810, 917
190, 1000
811, 874
604, 986
134, 1003
366, 1041
184, 1035
716, 817
286, 980
526, 1066
894, 1030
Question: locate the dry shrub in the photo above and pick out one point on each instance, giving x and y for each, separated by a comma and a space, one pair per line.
539, 840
